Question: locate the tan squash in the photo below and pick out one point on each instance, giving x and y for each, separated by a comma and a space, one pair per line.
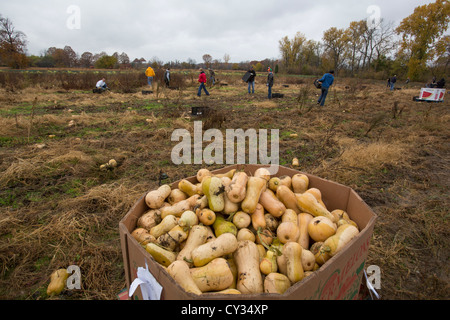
142, 236
271, 222
179, 271
57, 283
258, 220
308, 203
255, 186
303, 220
188, 187
288, 232
163, 256
202, 173
245, 234
219, 247
300, 183
321, 228
214, 276
276, 283
237, 189
317, 194
166, 224
242, 219
197, 236
172, 239
188, 219
269, 263
294, 268
308, 260
206, 216
214, 190
286, 181
230, 207
271, 203
228, 174
290, 216
149, 219
337, 242
249, 279
288, 198
155, 198
222, 226
176, 195
262, 173
274, 182
178, 208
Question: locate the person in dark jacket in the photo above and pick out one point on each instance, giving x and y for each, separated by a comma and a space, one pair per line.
251, 80
202, 80
167, 77
270, 82
326, 81
393, 80
440, 84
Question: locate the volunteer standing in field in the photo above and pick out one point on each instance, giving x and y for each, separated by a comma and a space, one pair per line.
269, 82
150, 73
202, 80
326, 81
251, 80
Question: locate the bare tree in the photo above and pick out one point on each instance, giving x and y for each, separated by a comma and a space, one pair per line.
12, 44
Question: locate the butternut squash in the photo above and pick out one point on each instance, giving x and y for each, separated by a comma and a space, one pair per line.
276, 283
289, 216
222, 226
288, 198
245, 234
214, 190
269, 263
202, 173
228, 174
224, 244
227, 291
258, 220
286, 181
288, 232
230, 207
300, 183
166, 224
176, 195
178, 208
163, 256
249, 279
149, 219
321, 254
237, 189
255, 186
206, 216
172, 239
188, 219
294, 268
271, 222
317, 194
57, 283
303, 220
344, 234
241, 219
264, 237
308, 260
308, 203
274, 182
197, 236
262, 173
142, 236
214, 276
321, 228
271, 203
155, 198
179, 271
188, 187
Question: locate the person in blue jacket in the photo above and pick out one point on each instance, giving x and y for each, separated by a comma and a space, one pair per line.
327, 81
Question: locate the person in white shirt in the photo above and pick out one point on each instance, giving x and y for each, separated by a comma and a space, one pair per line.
101, 84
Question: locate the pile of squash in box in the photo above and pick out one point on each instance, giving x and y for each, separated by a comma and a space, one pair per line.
233, 233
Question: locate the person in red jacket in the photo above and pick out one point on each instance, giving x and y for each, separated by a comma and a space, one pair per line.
202, 80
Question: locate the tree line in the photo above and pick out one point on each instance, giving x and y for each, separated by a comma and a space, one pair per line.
415, 48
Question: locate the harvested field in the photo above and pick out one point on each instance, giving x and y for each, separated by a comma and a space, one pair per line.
58, 208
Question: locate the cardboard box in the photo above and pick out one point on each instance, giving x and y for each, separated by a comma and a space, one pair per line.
340, 278
432, 94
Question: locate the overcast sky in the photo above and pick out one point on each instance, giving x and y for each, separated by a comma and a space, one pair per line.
183, 29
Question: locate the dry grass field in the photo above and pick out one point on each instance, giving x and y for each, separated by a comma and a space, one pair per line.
58, 208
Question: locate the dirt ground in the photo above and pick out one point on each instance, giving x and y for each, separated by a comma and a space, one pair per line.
58, 208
